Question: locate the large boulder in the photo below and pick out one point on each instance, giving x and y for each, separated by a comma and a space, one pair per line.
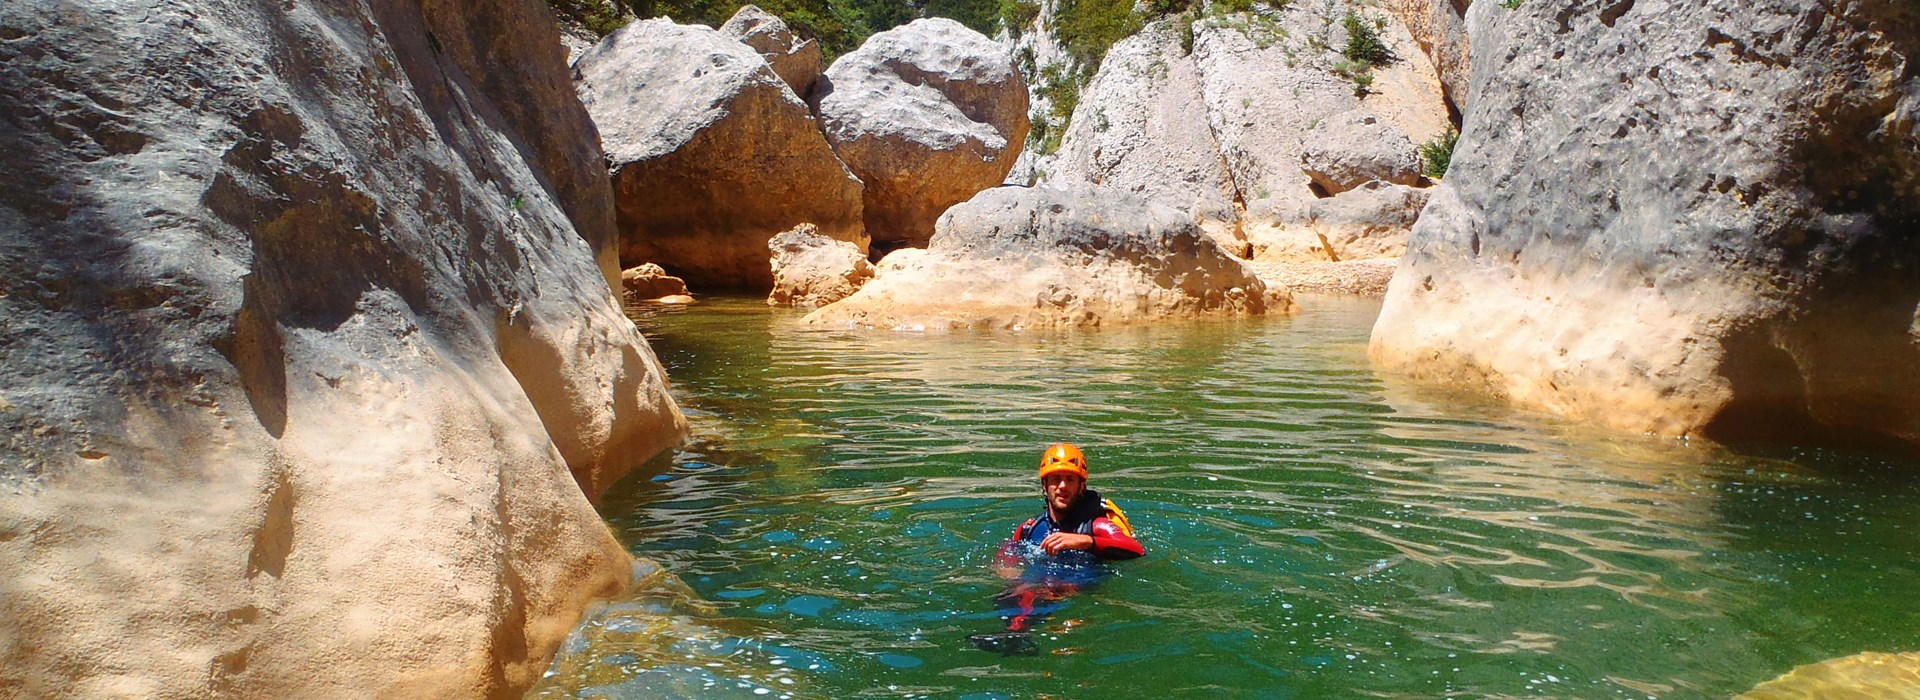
927, 114
1353, 148
312, 367
811, 270
712, 153
1683, 219
1040, 257
1141, 128
797, 61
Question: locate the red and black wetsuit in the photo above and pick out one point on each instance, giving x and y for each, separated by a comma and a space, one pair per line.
1088, 516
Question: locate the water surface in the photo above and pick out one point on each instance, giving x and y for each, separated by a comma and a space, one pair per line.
1314, 529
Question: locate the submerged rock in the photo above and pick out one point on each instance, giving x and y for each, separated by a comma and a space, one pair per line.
811, 270
1019, 257
1866, 676
712, 153
1670, 220
926, 114
313, 366
797, 61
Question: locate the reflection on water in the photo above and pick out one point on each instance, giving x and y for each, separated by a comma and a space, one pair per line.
1315, 530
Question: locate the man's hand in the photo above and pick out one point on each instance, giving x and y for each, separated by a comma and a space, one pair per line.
1062, 541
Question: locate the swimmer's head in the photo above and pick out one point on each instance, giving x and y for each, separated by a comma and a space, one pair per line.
1063, 458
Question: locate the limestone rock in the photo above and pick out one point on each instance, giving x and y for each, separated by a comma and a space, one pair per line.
1668, 219
926, 114
311, 355
1361, 278
1017, 257
1369, 221
1354, 148
712, 153
811, 270
1273, 85
650, 281
1141, 128
1440, 28
797, 61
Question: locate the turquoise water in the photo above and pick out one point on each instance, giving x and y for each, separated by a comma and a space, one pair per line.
1314, 529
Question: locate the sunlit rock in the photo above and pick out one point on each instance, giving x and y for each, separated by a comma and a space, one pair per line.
926, 114
811, 270
314, 367
1668, 220
1018, 257
1366, 222
797, 61
649, 281
712, 153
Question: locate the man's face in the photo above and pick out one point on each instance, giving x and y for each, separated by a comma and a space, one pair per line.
1063, 489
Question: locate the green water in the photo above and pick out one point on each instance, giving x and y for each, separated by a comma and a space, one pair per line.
1314, 529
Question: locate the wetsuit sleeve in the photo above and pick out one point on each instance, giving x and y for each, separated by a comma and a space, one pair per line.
1109, 542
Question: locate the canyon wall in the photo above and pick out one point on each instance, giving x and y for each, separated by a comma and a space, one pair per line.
311, 357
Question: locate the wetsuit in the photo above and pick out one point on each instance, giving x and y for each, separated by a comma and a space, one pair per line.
1088, 516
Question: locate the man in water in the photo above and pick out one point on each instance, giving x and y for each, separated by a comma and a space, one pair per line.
1057, 552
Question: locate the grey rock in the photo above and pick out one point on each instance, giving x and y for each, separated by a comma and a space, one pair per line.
712, 154
797, 61
1440, 28
926, 114
1371, 221
312, 357
1355, 147
1038, 257
1683, 219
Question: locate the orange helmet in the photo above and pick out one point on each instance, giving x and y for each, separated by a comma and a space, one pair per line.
1063, 457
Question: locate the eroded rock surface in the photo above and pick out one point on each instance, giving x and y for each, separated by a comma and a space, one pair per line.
1368, 222
1721, 244
712, 154
811, 270
797, 61
1866, 676
1440, 28
312, 359
1353, 148
926, 114
1039, 257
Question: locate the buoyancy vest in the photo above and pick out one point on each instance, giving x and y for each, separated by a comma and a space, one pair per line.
1079, 518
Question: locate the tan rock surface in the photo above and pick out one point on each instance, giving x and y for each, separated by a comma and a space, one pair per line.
797, 61
649, 281
712, 154
318, 357
1440, 28
811, 270
1369, 221
1021, 258
1361, 278
926, 114
1720, 246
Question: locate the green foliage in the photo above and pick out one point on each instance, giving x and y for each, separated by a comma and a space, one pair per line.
601, 17
1437, 154
1362, 84
1186, 33
1359, 72
1510, 4
1017, 14
979, 15
1363, 42
1087, 28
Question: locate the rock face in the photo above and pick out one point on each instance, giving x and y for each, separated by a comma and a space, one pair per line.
797, 61
926, 114
1440, 28
1146, 134
310, 358
811, 270
712, 154
1256, 126
1018, 257
1722, 244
